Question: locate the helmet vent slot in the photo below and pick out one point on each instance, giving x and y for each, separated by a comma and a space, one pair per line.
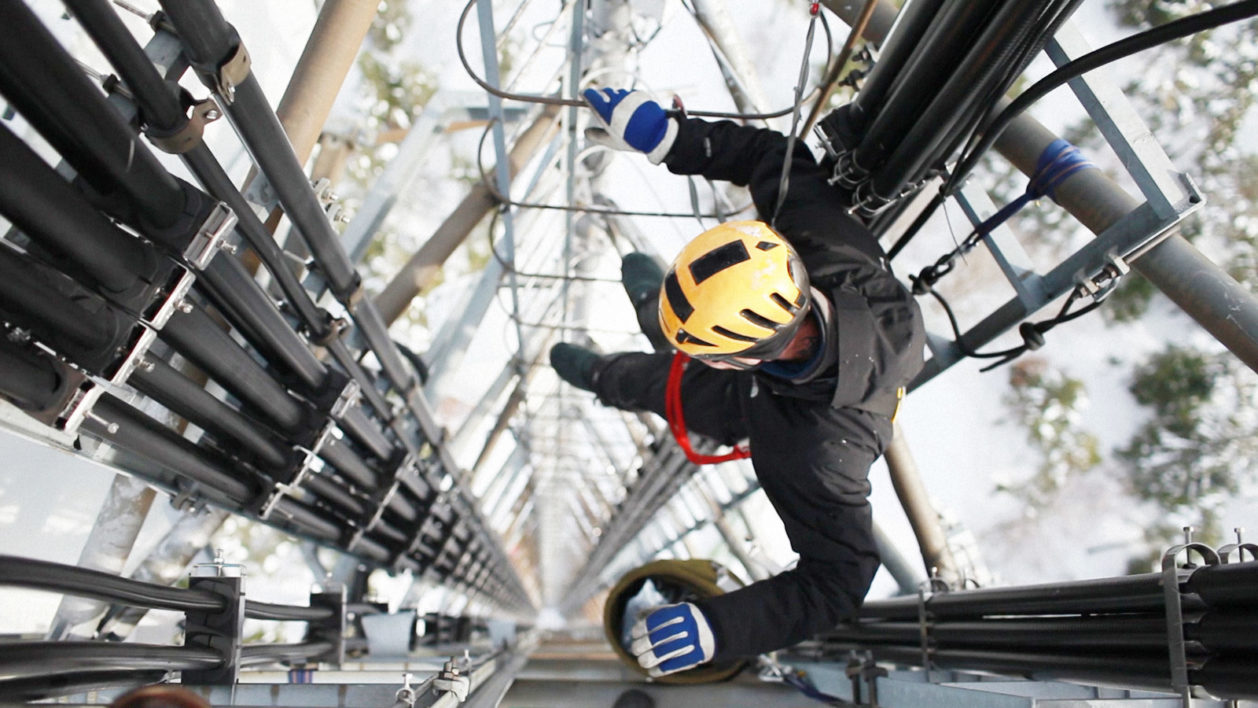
734, 335
784, 303
676, 298
717, 260
758, 320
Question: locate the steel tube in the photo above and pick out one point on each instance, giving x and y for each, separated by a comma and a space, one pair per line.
29, 378
194, 335
348, 464
974, 79
330, 51
1230, 585
273, 653
254, 313
950, 33
33, 689
33, 302
335, 494
27, 659
285, 613
117, 422
164, 384
913, 22
210, 40
366, 433
56, 216
48, 87
83, 582
1203, 290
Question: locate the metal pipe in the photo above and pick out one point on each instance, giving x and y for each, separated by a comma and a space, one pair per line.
421, 270
118, 423
166, 385
29, 378
33, 302
912, 23
1204, 291
84, 582
255, 314
975, 78
49, 88
29, 659
210, 42
945, 41
194, 335
40, 687
118, 523
927, 529
330, 51
82, 241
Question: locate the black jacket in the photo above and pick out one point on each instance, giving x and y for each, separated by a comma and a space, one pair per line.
812, 441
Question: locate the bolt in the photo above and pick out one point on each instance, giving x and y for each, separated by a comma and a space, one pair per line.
184, 306
1240, 533
1188, 534
213, 114
112, 428
230, 248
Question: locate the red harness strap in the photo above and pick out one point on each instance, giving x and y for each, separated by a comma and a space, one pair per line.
677, 422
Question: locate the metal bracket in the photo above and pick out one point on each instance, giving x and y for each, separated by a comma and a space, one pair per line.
232, 73
1175, 611
451, 680
81, 405
346, 399
308, 463
211, 237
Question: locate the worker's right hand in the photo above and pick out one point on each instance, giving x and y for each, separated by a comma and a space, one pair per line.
630, 120
672, 638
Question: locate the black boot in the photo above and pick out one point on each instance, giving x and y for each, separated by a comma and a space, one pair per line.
642, 277
574, 364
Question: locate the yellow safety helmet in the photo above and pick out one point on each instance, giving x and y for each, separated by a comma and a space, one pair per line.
737, 290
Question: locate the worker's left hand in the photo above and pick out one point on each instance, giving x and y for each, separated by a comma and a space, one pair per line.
672, 638
630, 121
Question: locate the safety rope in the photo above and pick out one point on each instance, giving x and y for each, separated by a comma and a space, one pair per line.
1057, 162
677, 421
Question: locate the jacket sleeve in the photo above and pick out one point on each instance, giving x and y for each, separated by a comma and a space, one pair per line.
817, 480
812, 218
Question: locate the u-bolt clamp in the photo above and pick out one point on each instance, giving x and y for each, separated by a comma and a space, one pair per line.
1175, 610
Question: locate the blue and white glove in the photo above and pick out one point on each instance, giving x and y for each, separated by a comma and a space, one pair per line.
631, 121
672, 638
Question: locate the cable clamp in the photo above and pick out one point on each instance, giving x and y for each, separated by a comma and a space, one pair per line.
1171, 580
80, 407
348, 397
1240, 548
189, 134
309, 463
211, 237
232, 73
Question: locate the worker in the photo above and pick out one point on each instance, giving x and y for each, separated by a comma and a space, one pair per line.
807, 340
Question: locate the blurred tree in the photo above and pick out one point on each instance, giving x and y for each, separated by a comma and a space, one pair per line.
1047, 403
1198, 449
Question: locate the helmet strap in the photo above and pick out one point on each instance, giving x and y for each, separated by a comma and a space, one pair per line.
677, 421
